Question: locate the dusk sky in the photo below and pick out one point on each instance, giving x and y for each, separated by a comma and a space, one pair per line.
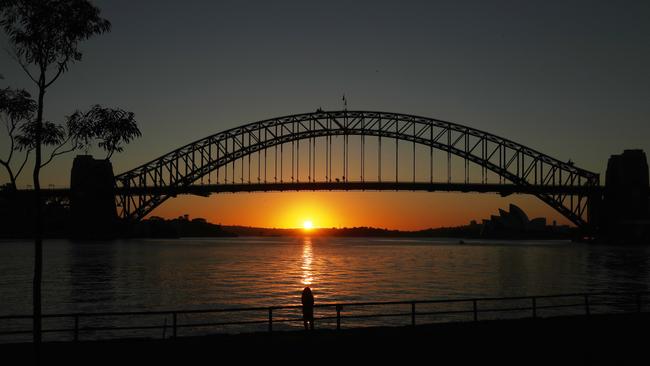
567, 78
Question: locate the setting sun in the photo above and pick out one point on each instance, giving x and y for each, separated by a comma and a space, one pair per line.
308, 225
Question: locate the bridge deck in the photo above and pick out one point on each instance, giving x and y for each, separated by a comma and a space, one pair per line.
207, 189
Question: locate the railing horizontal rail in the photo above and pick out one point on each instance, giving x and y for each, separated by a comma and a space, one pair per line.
560, 306
345, 305
215, 324
449, 312
367, 316
16, 332
496, 310
138, 327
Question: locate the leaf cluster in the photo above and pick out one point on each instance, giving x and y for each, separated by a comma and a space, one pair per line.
48, 32
16, 104
111, 128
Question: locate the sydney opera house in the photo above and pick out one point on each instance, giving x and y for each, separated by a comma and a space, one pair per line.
513, 222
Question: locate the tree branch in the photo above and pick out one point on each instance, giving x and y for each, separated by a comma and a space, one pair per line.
59, 72
7, 124
12, 177
22, 65
22, 165
12, 138
11, 151
56, 151
10, 124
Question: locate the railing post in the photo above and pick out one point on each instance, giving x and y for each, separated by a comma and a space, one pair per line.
587, 310
76, 328
338, 317
639, 306
270, 319
534, 307
474, 302
413, 313
174, 318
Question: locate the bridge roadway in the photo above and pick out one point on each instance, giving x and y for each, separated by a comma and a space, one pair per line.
207, 189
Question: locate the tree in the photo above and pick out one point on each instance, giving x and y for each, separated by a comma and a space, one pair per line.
45, 36
16, 109
110, 127
17, 112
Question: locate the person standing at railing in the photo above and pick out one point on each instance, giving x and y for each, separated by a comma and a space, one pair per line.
308, 308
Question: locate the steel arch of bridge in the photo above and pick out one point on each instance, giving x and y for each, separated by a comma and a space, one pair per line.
140, 190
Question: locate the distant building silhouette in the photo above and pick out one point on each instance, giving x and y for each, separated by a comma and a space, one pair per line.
511, 223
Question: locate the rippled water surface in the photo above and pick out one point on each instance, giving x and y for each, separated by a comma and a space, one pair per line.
165, 274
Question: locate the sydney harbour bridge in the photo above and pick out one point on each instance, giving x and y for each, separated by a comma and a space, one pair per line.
356, 150
344, 151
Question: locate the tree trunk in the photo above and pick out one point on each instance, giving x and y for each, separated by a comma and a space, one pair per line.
12, 178
38, 228
14, 186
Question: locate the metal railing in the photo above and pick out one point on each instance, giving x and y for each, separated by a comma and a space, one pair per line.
472, 308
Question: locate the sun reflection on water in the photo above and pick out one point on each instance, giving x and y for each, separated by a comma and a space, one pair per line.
307, 258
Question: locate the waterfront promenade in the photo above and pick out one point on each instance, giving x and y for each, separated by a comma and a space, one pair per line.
573, 340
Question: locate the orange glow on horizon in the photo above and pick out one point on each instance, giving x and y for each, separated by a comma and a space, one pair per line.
390, 210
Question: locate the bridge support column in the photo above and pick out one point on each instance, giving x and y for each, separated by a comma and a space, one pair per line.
624, 215
92, 199
594, 214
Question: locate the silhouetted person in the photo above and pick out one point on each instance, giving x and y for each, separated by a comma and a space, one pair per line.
308, 308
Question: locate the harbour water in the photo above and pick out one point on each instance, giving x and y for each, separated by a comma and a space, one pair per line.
207, 273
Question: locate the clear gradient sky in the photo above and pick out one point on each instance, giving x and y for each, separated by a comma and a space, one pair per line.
568, 78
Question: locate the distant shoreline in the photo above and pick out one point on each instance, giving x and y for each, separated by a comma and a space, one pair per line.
170, 232
460, 232
157, 227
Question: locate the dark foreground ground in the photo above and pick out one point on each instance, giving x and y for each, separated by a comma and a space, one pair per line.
592, 340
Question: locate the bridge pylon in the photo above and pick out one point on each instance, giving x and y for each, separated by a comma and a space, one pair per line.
624, 215
92, 198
